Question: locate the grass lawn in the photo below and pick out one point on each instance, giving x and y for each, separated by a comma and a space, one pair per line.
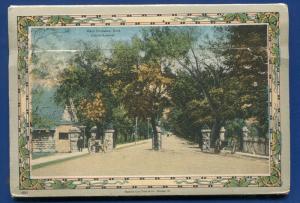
36, 155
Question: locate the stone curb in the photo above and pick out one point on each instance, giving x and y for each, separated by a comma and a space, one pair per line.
245, 154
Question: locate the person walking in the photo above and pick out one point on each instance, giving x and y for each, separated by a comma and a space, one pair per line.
80, 143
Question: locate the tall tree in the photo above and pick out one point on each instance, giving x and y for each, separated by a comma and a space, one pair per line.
149, 57
248, 59
181, 118
217, 66
87, 82
146, 96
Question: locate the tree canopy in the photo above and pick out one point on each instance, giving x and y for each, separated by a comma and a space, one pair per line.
202, 78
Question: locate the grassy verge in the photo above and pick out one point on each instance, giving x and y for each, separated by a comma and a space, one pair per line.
36, 155
55, 161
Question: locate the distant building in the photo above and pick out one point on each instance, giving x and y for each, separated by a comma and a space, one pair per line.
60, 128
61, 137
67, 133
66, 137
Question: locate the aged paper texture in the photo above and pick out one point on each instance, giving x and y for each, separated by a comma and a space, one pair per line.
149, 100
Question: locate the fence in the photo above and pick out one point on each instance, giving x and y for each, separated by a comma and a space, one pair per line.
252, 145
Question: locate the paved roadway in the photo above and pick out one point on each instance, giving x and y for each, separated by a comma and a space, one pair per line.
178, 157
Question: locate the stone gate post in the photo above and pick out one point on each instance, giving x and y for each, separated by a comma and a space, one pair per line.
246, 141
206, 140
245, 131
109, 139
222, 134
159, 137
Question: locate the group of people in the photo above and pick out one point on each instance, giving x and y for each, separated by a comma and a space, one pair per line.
93, 144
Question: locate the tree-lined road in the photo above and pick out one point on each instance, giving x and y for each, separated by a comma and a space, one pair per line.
177, 157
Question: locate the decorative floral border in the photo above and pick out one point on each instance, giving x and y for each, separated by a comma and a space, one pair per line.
27, 183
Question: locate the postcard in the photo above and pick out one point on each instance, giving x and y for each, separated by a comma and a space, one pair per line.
149, 100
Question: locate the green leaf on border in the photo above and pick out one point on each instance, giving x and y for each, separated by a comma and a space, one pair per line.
22, 141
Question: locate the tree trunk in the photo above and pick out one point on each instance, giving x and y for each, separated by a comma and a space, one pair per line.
200, 140
155, 134
215, 132
100, 132
241, 140
126, 137
115, 138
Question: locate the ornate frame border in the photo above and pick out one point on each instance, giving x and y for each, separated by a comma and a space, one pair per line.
27, 183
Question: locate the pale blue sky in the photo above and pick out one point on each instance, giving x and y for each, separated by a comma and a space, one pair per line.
70, 38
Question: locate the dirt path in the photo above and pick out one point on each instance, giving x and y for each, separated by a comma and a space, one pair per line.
178, 157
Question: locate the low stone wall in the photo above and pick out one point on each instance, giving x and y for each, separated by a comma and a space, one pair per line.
43, 144
256, 145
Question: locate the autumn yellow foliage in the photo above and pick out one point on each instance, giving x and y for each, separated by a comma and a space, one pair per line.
93, 109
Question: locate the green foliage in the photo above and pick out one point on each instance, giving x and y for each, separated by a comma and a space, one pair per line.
25, 22
58, 184
183, 90
146, 96
200, 112
252, 76
231, 86
271, 19
235, 127
60, 19
183, 125
168, 68
241, 182
22, 141
163, 43
147, 64
241, 17
276, 144
122, 124
23, 152
87, 76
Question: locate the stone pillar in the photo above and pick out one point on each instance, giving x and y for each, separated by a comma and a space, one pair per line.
245, 131
93, 132
206, 140
109, 140
159, 137
159, 134
92, 140
222, 134
247, 143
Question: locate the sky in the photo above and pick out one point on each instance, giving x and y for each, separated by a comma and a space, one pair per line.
68, 39
55, 46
